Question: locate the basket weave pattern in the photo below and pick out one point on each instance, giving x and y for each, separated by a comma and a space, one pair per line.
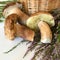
33, 6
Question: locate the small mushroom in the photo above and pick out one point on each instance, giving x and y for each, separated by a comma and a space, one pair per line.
12, 29
46, 33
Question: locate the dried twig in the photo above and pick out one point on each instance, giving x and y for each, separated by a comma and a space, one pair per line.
15, 46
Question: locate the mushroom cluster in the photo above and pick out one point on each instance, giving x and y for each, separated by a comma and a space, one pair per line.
20, 24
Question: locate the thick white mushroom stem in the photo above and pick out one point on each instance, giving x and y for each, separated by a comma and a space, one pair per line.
46, 34
22, 15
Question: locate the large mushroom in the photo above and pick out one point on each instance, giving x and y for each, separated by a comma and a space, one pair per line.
33, 21
12, 12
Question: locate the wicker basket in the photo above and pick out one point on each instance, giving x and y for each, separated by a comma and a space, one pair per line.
32, 6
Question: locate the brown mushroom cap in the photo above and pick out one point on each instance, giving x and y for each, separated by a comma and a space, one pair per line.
11, 4
45, 31
13, 29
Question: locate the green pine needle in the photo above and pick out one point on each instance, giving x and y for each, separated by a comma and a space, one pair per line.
1, 20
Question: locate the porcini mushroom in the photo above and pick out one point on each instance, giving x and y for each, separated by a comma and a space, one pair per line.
13, 14
33, 21
9, 26
13, 29
11, 7
46, 33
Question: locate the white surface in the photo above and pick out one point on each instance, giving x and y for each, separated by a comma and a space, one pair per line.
6, 44
5, 0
